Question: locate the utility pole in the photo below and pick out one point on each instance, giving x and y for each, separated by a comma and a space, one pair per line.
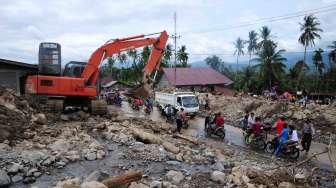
175, 37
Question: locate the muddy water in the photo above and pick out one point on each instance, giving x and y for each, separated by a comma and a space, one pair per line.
234, 135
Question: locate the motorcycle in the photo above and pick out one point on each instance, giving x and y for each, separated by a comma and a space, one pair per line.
148, 109
212, 129
257, 142
290, 150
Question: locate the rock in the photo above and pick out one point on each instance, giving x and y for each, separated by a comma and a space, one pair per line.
69, 183
60, 164
286, 185
28, 180
91, 120
96, 176
92, 184
14, 169
100, 154
31, 172
64, 117
60, 145
49, 161
4, 147
173, 162
91, 156
156, 184
4, 179
174, 176
17, 178
138, 185
37, 174
300, 177
218, 176
40, 118
33, 156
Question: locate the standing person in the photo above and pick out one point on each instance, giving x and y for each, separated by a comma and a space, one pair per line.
283, 138
179, 119
251, 120
245, 121
207, 118
207, 102
307, 134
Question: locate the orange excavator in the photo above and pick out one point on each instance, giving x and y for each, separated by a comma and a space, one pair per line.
81, 89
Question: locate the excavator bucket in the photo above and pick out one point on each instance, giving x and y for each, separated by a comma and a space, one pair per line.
139, 91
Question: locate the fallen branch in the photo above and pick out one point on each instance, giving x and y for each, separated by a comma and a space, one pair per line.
192, 140
121, 180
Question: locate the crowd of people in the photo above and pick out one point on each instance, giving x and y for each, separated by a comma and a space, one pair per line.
285, 134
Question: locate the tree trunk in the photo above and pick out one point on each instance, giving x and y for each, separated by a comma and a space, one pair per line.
237, 68
122, 180
250, 59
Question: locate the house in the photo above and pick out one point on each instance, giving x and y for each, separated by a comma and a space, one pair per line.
13, 74
193, 78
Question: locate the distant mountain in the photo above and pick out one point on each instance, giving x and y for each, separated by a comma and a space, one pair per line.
292, 58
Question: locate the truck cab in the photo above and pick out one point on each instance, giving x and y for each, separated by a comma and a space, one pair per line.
186, 100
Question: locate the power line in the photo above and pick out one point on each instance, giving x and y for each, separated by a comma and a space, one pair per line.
270, 19
232, 54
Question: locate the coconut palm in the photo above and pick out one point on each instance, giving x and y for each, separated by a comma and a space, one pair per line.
310, 31
332, 55
318, 61
167, 54
265, 35
271, 65
252, 43
239, 49
182, 56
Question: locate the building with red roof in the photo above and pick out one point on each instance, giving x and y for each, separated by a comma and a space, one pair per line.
193, 78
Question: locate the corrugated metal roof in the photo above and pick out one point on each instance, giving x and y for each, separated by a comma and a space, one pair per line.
195, 76
6, 61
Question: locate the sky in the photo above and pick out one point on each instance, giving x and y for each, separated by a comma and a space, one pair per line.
205, 27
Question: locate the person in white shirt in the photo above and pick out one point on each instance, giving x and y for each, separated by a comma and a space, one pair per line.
251, 120
293, 135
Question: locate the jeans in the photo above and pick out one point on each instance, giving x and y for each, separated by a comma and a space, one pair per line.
277, 151
306, 141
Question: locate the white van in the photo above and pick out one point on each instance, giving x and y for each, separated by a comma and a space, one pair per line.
186, 100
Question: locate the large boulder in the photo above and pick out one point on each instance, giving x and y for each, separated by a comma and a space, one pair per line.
5, 181
60, 145
40, 118
138, 185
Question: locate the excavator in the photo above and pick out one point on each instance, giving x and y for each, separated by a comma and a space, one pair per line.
78, 85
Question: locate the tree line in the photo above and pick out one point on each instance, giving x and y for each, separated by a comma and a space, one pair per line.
132, 63
271, 70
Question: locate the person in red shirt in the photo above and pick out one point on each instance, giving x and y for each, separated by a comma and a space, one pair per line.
219, 121
279, 125
256, 127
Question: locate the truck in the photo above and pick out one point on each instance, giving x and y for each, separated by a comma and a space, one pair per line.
186, 100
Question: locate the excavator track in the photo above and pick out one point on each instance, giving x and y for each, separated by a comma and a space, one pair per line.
55, 105
98, 107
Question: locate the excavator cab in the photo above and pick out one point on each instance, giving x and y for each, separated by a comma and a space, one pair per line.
74, 69
49, 59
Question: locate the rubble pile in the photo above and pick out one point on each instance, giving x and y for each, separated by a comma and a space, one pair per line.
16, 115
323, 116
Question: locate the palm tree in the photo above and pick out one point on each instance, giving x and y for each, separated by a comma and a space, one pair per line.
239, 46
252, 43
271, 66
182, 56
122, 57
110, 62
265, 35
332, 55
167, 54
310, 31
318, 61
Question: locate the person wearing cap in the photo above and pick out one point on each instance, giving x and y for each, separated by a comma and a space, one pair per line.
307, 135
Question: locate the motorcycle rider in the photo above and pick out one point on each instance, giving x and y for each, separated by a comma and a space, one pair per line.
279, 125
283, 139
251, 120
219, 120
293, 136
245, 121
256, 129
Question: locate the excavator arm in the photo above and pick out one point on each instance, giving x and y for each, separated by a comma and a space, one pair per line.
91, 71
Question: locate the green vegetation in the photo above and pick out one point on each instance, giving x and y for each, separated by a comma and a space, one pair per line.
271, 67
133, 62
